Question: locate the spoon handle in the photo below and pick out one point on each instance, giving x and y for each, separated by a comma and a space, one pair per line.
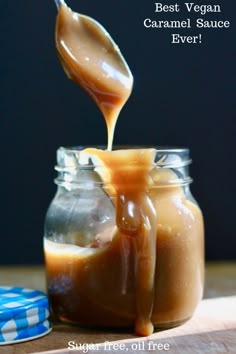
59, 3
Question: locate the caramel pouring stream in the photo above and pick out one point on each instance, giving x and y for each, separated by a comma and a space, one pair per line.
91, 58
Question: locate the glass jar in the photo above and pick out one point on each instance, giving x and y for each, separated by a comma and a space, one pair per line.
92, 275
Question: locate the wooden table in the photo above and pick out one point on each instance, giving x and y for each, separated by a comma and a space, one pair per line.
211, 330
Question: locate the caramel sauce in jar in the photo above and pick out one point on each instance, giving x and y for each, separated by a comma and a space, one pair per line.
144, 266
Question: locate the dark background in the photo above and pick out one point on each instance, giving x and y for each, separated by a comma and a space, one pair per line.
183, 95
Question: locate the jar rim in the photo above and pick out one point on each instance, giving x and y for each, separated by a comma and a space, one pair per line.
74, 167
165, 157
161, 148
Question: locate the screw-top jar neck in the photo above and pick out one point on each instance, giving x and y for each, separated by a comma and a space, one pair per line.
74, 167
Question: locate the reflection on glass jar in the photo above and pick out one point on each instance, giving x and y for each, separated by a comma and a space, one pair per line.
93, 268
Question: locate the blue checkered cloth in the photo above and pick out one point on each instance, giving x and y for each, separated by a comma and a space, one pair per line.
24, 314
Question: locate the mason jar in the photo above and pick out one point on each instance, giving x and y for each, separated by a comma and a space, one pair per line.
92, 272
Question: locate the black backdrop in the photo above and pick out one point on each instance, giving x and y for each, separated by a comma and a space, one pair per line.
183, 95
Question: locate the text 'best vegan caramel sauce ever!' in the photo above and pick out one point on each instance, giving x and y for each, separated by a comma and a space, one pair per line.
147, 268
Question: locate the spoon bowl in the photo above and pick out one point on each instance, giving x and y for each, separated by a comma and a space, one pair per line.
92, 59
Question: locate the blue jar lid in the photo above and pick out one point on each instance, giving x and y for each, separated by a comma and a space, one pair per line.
24, 314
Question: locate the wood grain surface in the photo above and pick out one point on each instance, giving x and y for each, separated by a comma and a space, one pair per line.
211, 330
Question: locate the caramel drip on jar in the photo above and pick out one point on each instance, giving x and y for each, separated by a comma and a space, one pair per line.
91, 58
128, 171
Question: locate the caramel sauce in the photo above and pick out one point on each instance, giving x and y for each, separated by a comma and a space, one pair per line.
119, 282
92, 59
105, 287
136, 222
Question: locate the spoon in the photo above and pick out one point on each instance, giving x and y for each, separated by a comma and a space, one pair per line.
92, 59
59, 3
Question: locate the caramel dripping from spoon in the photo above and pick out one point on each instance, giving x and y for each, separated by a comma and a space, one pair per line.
91, 58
